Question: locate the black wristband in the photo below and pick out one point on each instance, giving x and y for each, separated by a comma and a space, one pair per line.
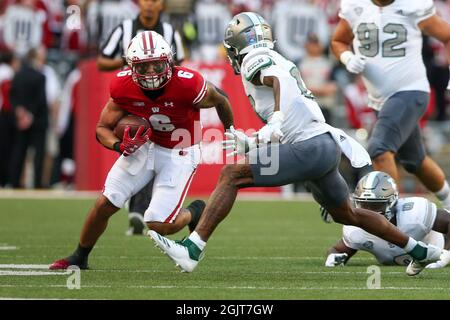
116, 147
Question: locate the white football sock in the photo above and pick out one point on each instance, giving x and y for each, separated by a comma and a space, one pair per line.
195, 238
410, 245
444, 195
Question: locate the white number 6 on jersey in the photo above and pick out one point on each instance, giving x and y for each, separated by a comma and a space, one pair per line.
124, 73
185, 74
161, 122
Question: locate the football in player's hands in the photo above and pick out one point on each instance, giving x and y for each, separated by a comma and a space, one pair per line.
132, 121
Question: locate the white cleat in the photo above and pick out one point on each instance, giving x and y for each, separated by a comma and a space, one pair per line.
185, 254
416, 266
442, 262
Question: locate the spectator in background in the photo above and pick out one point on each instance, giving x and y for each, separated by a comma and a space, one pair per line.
74, 36
316, 70
5, 4
43, 6
436, 63
359, 115
64, 169
211, 18
262, 6
52, 93
24, 27
29, 102
331, 9
293, 21
9, 64
55, 13
103, 16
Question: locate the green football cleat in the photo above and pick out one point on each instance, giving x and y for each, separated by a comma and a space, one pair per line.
185, 253
416, 266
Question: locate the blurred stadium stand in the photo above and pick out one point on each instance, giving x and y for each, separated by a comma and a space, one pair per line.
73, 30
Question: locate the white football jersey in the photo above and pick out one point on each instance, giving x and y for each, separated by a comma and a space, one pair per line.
391, 41
303, 118
211, 18
415, 217
293, 21
22, 28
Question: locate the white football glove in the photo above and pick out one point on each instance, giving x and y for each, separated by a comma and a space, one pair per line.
354, 63
442, 262
271, 132
336, 259
237, 142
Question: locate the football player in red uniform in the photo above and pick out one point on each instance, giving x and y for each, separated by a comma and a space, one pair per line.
170, 97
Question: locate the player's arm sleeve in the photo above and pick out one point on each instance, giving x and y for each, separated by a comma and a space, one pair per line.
200, 88
426, 10
351, 238
283, 77
111, 46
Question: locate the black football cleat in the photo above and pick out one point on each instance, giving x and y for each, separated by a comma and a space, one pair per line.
137, 224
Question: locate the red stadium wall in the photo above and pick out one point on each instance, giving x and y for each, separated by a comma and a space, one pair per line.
94, 161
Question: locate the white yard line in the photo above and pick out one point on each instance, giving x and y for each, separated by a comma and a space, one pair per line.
24, 266
47, 194
230, 287
16, 298
8, 248
31, 273
28, 270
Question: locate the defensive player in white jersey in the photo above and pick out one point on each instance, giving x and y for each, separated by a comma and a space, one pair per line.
416, 216
309, 149
386, 37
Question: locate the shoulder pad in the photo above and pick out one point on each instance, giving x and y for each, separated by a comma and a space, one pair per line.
349, 8
408, 203
119, 83
420, 9
255, 64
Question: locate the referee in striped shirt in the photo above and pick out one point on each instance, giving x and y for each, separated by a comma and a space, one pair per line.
112, 58
113, 49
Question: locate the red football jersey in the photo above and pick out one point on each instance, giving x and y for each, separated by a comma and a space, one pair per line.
174, 119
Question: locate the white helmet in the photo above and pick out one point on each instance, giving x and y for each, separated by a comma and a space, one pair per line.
378, 192
151, 60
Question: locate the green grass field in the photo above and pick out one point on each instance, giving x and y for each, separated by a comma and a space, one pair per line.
263, 250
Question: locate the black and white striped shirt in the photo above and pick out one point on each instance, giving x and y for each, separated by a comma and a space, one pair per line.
122, 35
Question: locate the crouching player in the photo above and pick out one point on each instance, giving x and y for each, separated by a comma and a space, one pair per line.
171, 98
415, 216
